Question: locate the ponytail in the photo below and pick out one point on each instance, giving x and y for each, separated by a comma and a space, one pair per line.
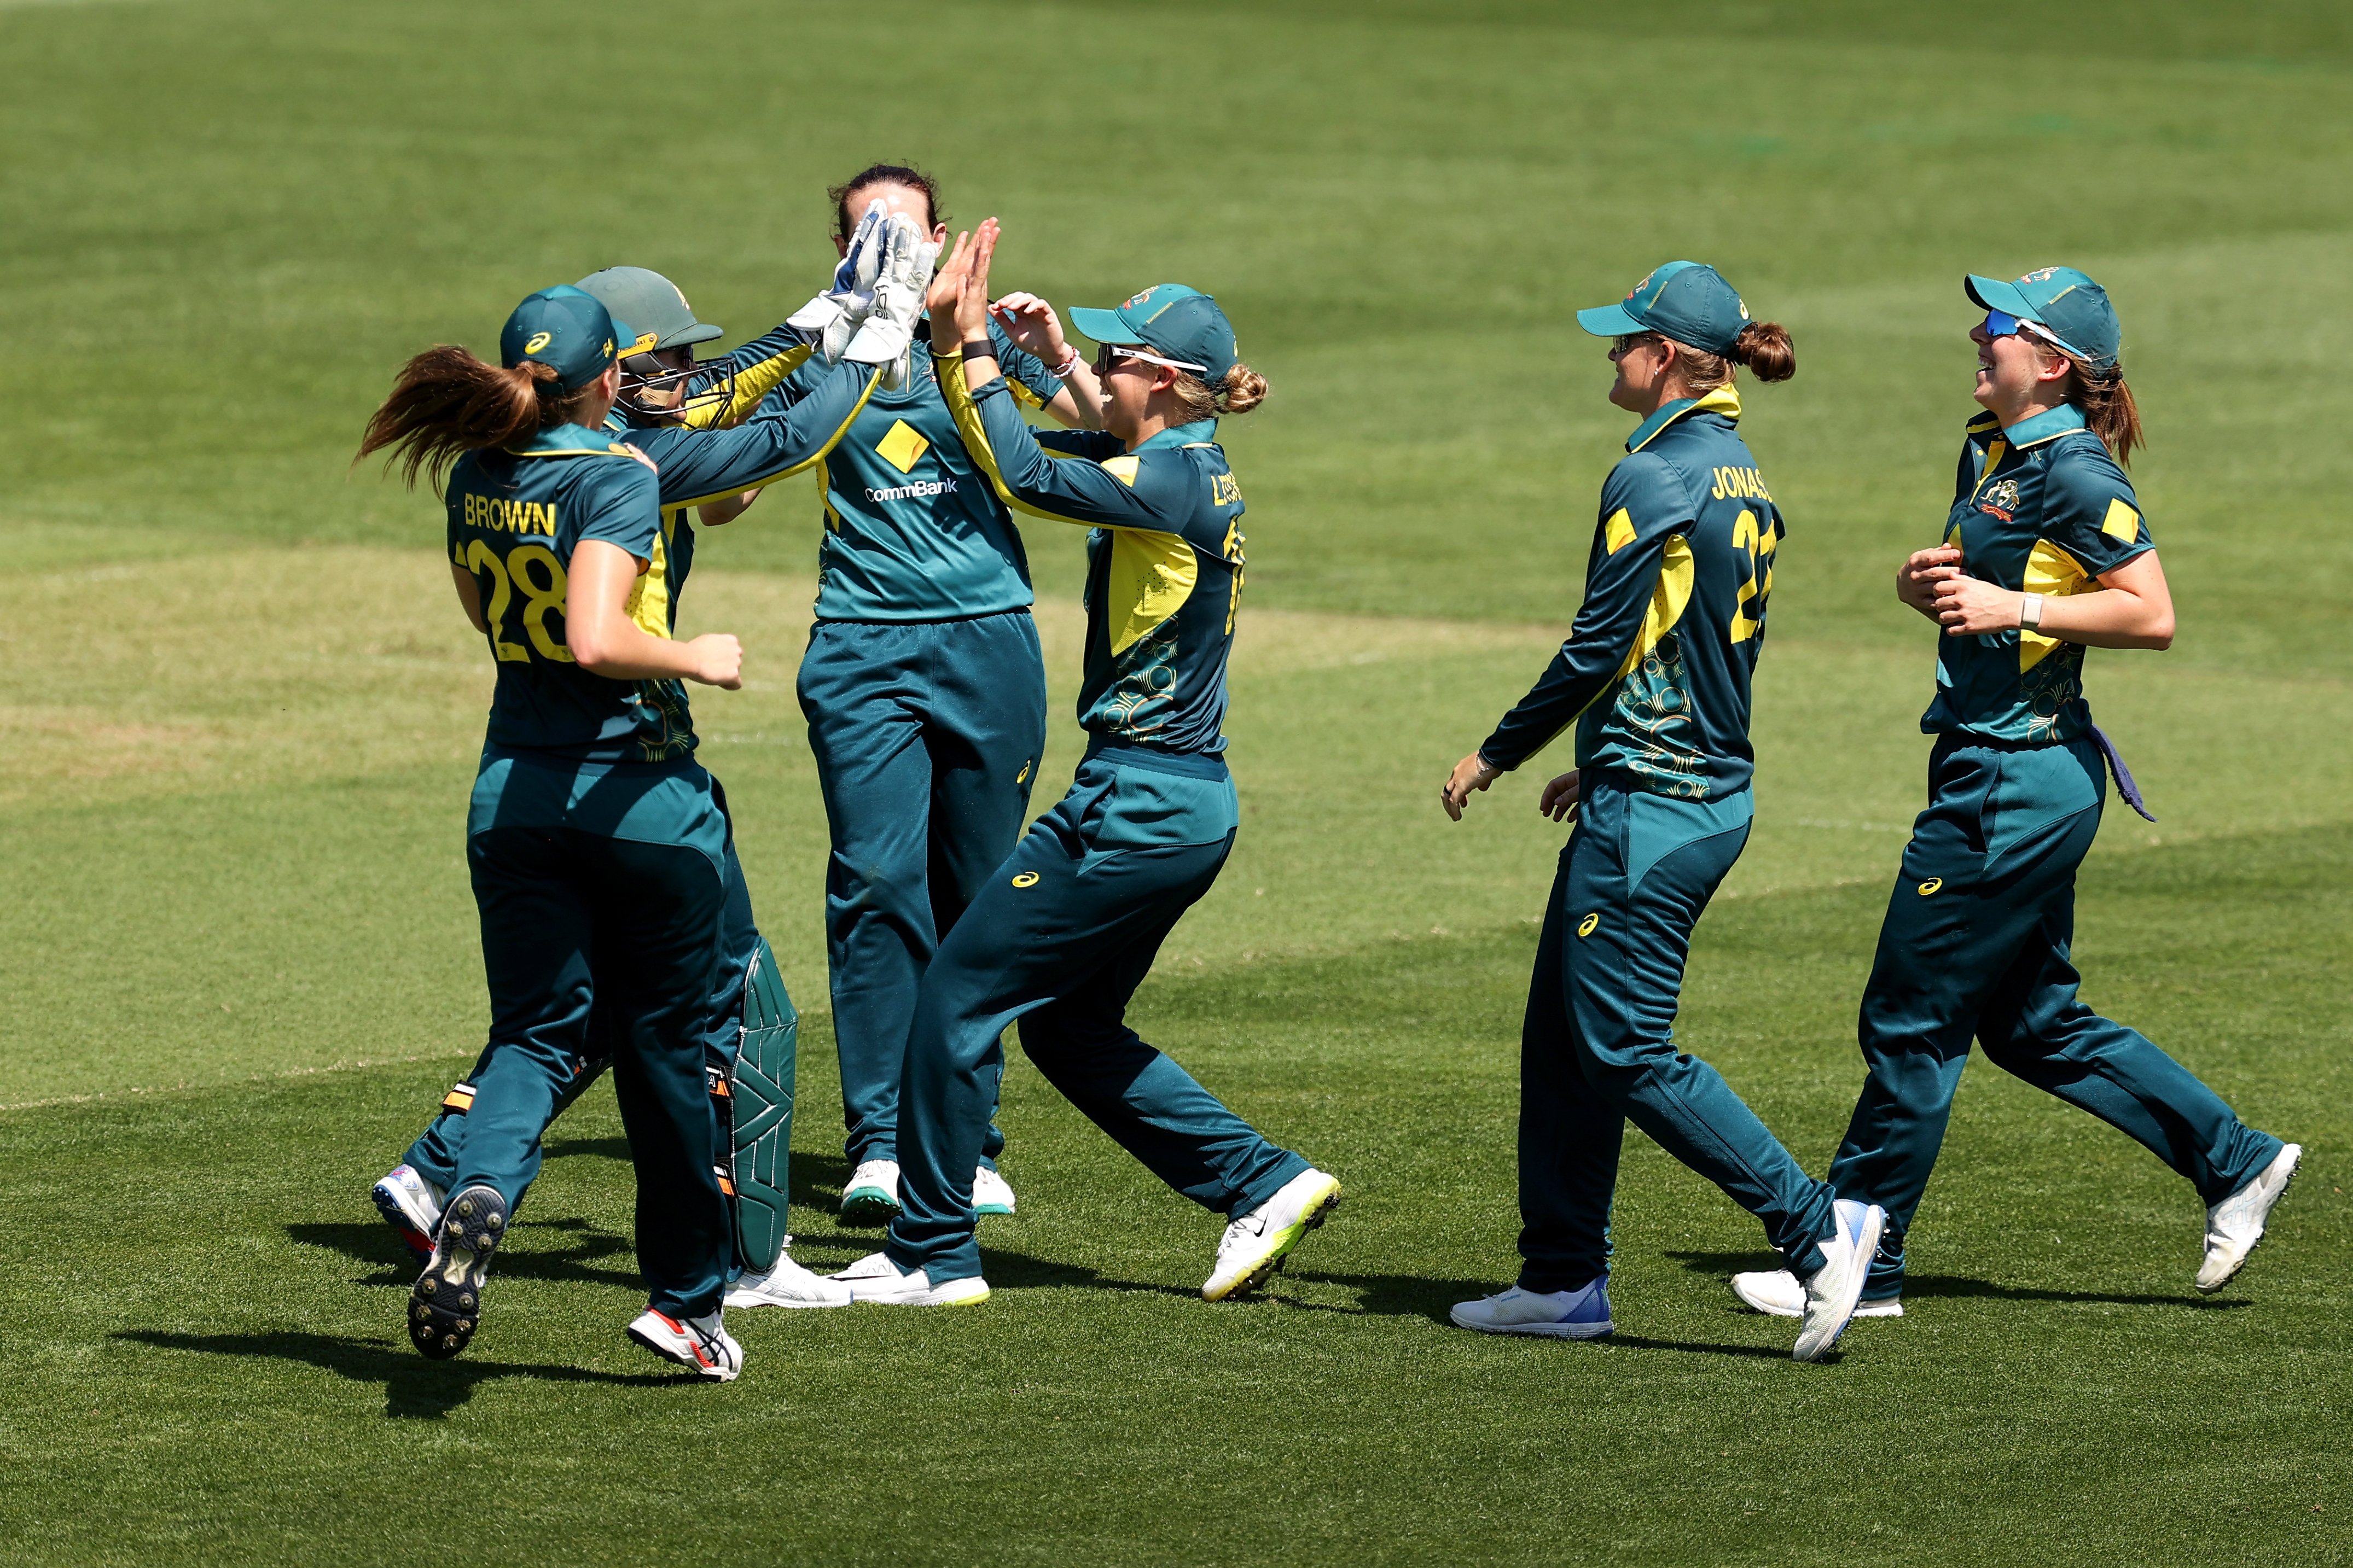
1238, 391
1763, 346
2107, 406
445, 403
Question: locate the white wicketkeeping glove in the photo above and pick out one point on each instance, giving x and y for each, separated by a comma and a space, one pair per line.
887, 335
833, 317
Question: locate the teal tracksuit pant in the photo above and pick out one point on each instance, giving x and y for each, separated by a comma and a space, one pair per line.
1060, 938
927, 736
1597, 1049
1977, 945
434, 1155
603, 885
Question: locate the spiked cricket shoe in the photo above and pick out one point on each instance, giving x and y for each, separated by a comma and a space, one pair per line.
411, 1205
2235, 1225
1776, 1293
1256, 1244
447, 1302
701, 1345
991, 1194
786, 1285
876, 1278
1834, 1289
871, 1195
1557, 1314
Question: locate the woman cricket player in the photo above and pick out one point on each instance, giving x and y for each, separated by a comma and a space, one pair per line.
683, 414
2046, 553
925, 696
1065, 929
596, 844
1655, 675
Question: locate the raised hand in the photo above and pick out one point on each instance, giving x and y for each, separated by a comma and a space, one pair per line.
902, 280
1032, 323
832, 319
972, 289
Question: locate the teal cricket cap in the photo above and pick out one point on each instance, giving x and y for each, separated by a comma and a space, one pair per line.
1686, 301
568, 330
1172, 320
654, 307
2073, 311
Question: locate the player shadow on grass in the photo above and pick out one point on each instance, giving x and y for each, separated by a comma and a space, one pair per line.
1723, 1266
525, 1254
414, 1387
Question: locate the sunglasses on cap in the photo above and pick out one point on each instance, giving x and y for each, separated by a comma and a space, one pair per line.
1106, 352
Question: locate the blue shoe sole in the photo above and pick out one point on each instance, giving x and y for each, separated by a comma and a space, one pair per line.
445, 1305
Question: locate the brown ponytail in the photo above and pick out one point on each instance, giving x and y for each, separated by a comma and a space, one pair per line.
445, 403
1238, 391
2107, 406
1763, 346
906, 174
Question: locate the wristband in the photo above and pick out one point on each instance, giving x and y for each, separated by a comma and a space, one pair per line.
2029, 614
1063, 371
980, 348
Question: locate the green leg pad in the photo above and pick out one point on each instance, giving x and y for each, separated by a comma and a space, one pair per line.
761, 1099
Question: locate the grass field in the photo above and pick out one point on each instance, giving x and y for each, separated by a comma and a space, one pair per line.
239, 956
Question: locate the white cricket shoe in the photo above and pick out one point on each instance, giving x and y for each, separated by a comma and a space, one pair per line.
2235, 1225
1256, 1244
874, 1186
990, 1191
411, 1205
875, 1277
1559, 1314
1834, 1289
1776, 1293
703, 1345
786, 1285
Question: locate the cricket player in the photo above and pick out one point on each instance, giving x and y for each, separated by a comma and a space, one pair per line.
1655, 678
1065, 929
924, 690
2046, 553
596, 844
684, 413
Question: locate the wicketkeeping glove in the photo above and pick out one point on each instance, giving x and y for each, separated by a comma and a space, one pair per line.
832, 319
887, 335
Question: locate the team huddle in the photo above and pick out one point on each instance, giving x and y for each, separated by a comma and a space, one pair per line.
617, 929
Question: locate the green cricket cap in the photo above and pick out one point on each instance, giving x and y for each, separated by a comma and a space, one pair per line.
2070, 309
1686, 301
1173, 322
652, 304
566, 329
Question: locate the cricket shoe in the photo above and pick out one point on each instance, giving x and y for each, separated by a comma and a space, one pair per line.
991, 1194
411, 1205
1776, 1293
787, 1284
872, 1196
2235, 1225
447, 1302
701, 1345
1256, 1244
875, 1277
1833, 1290
1557, 1314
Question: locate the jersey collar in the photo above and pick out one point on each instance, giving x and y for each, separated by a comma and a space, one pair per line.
1198, 434
1723, 400
2047, 426
565, 441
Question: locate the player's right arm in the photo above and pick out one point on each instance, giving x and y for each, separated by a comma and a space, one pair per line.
605, 640
722, 463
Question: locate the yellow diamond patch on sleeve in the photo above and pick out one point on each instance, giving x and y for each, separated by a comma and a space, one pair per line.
1123, 470
2122, 521
1620, 533
901, 447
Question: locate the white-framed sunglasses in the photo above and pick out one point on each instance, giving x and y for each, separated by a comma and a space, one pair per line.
1106, 352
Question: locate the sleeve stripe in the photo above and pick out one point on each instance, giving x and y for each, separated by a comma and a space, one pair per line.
812, 460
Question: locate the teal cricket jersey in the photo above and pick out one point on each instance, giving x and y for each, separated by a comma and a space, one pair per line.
515, 517
912, 532
699, 463
1655, 673
1163, 564
2041, 508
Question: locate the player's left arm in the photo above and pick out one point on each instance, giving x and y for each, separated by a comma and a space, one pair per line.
758, 368
2091, 514
717, 468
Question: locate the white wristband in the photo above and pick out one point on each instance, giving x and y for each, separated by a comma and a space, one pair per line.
2029, 614
1063, 371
